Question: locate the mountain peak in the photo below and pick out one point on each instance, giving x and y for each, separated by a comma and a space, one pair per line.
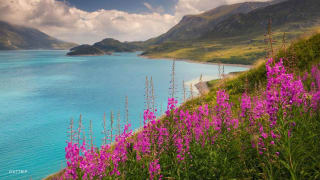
193, 26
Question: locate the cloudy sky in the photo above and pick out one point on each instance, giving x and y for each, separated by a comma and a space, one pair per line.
89, 21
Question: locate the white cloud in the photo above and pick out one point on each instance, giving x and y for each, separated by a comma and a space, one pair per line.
241, 1
71, 24
184, 7
147, 5
152, 9
196, 6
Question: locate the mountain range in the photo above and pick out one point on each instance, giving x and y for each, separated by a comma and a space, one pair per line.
193, 27
228, 34
13, 37
236, 37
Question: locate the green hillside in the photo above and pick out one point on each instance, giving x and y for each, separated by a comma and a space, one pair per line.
106, 46
18, 37
246, 131
299, 58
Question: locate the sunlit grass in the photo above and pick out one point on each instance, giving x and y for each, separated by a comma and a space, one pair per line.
234, 50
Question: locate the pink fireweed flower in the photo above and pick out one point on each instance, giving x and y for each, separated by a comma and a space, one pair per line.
154, 169
142, 144
223, 109
120, 150
315, 101
171, 105
264, 135
217, 123
161, 136
261, 145
283, 91
273, 135
259, 109
203, 110
73, 159
180, 149
235, 123
148, 116
245, 104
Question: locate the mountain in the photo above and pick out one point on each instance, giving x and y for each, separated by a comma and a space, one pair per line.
190, 27
85, 49
235, 33
294, 14
106, 46
194, 26
227, 34
19, 37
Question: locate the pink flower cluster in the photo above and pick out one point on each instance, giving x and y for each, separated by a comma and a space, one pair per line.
261, 116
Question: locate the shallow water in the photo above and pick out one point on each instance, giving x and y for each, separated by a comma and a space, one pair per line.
40, 91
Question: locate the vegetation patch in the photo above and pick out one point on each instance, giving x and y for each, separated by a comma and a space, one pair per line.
262, 124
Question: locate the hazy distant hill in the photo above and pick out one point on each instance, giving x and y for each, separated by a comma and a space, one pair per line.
20, 37
106, 46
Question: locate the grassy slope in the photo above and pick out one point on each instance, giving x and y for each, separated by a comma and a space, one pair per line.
304, 52
236, 50
302, 155
307, 50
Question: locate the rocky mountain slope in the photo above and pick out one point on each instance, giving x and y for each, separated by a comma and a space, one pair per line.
237, 38
195, 26
14, 37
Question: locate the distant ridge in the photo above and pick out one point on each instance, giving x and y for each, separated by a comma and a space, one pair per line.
106, 46
14, 37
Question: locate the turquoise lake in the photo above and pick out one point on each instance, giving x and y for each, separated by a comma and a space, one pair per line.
40, 91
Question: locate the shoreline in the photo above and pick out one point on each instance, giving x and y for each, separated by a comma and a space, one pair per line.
197, 62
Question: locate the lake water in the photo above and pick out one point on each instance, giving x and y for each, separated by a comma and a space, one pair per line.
40, 91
